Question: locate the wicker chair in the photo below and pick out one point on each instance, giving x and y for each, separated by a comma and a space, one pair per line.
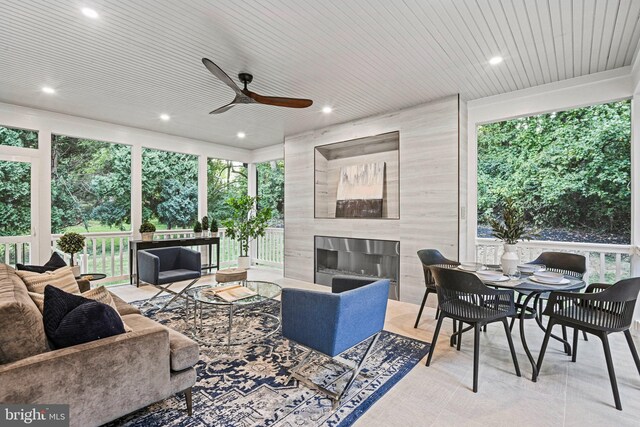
598, 313
431, 257
463, 297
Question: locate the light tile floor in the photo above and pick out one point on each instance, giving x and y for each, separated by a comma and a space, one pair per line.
566, 394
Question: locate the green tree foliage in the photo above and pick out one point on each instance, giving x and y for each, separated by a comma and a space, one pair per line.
271, 190
90, 180
245, 224
225, 180
15, 185
568, 169
169, 188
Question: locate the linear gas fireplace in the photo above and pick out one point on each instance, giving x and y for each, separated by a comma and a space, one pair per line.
342, 256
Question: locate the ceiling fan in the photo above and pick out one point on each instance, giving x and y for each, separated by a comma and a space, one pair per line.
245, 96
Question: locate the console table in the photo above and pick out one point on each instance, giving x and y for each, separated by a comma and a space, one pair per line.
136, 245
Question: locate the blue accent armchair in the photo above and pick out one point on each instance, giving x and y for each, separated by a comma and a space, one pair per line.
331, 323
165, 266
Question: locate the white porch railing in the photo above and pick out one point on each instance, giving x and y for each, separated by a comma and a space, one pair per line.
271, 248
605, 263
15, 250
108, 253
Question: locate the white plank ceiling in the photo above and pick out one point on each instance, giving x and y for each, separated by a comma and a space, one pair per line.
142, 58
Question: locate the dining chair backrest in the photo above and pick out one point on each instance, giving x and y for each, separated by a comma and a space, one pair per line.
562, 262
459, 291
433, 257
610, 310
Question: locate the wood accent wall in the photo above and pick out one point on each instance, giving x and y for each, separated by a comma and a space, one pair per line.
429, 191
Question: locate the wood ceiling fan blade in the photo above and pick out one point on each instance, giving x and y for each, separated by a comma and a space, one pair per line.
224, 108
279, 101
217, 71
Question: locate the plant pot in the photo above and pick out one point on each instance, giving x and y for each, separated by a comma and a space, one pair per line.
147, 237
214, 234
509, 260
75, 269
197, 234
244, 262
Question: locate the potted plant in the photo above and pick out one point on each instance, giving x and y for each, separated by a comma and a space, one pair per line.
146, 230
509, 230
72, 243
205, 225
197, 229
245, 224
214, 227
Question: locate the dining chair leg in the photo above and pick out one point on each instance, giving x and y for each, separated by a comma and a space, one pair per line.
574, 355
545, 342
565, 337
459, 343
584, 335
476, 355
632, 347
424, 301
612, 372
434, 340
507, 331
513, 319
437, 313
454, 337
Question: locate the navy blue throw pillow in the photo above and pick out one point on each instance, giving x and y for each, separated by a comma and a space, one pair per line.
72, 319
54, 263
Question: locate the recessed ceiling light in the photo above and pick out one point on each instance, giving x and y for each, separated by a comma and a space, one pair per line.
241, 135
89, 13
495, 60
49, 90
327, 109
165, 117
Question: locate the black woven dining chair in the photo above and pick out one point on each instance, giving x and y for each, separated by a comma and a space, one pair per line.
597, 313
428, 258
464, 298
572, 265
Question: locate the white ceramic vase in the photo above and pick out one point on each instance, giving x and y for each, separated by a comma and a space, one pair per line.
147, 237
75, 269
244, 262
510, 259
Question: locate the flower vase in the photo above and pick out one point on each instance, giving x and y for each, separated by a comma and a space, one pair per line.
509, 260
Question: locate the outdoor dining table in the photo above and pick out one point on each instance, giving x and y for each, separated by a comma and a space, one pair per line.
533, 291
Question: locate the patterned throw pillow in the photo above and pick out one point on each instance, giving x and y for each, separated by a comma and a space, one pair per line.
71, 319
61, 278
100, 294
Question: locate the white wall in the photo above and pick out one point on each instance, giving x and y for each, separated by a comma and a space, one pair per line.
48, 123
428, 191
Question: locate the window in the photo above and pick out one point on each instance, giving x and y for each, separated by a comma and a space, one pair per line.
169, 189
225, 179
569, 171
15, 198
18, 137
90, 185
271, 190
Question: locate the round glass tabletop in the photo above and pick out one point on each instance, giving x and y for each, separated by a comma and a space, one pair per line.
264, 291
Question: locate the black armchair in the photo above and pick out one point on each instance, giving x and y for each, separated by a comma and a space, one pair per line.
597, 313
464, 298
428, 258
165, 266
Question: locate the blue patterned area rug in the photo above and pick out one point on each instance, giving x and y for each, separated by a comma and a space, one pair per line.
244, 385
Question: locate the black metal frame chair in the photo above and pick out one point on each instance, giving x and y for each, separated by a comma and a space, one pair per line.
464, 298
431, 257
597, 313
569, 264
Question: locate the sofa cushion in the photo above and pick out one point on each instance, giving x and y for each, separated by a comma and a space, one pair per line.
122, 306
72, 319
21, 328
184, 352
55, 262
61, 278
100, 294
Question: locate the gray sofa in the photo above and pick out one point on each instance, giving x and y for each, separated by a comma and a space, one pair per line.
100, 380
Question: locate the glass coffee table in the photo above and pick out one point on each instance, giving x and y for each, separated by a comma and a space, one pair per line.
204, 302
